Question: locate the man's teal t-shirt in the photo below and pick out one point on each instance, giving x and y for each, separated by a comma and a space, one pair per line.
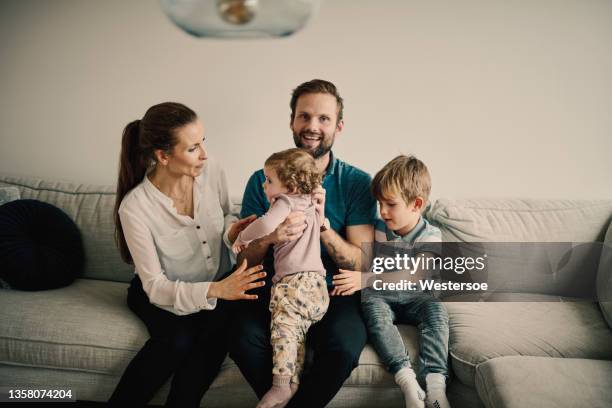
348, 201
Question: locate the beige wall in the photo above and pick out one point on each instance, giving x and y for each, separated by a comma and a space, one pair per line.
499, 98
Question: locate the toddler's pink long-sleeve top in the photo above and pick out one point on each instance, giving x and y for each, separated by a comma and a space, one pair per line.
301, 255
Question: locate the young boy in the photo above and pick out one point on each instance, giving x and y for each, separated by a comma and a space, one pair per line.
402, 188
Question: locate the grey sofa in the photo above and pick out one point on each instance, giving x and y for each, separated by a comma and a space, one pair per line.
536, 352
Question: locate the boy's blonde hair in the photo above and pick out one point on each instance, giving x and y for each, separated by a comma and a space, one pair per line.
296, 169
406, 176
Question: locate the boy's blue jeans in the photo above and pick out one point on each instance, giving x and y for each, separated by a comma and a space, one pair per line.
381, 309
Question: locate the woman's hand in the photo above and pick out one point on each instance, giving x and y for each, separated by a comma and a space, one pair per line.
238, 226
346, 283
235, 285
291, 229
318, 196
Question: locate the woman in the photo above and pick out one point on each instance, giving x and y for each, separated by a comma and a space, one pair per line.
172, 216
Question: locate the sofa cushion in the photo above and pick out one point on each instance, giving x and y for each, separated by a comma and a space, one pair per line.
87, 326
480, 331
604, 278
514, 220
533, 246
40, 246
518, 382
91, 208
8, 194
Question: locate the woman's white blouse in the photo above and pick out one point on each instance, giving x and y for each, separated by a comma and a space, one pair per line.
175, 256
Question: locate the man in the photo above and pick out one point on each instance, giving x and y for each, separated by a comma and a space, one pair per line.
338, 339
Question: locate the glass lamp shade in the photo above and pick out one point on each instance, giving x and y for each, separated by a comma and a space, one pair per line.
240, 18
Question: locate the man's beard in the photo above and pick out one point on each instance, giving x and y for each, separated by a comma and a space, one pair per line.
321, 150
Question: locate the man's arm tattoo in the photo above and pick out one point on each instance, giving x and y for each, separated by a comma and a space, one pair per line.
342, 261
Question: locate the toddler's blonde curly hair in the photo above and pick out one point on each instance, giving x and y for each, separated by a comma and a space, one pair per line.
296, 169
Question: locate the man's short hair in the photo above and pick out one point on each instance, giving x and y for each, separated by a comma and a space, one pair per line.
406, 176
316, 86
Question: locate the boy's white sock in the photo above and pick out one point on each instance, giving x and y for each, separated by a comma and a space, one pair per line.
436, 391
413, 393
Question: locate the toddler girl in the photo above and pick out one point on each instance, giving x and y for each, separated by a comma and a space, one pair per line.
299, 294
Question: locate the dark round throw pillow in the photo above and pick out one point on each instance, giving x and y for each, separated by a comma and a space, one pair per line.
40, 246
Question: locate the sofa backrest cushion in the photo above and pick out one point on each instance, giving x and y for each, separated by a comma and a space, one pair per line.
517, 220
604, 278
8, 194
556, 248
90, 207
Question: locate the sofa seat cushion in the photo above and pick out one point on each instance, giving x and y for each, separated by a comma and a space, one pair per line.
480, 331
517, 382
87, 326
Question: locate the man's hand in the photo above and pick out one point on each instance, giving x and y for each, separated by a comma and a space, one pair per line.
346, 283
238, 226
291, 229
318, 196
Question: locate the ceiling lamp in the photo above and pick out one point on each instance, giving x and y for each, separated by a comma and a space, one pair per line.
240, 18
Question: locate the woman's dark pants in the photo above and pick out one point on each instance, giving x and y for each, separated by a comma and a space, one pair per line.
191, 347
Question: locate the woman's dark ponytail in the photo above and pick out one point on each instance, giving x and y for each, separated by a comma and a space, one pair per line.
132, 169
140, 140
